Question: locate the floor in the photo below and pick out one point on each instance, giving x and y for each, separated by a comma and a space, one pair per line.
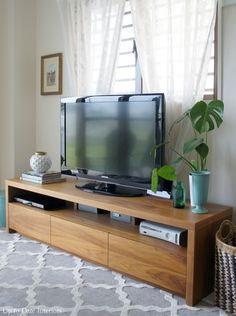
36, 279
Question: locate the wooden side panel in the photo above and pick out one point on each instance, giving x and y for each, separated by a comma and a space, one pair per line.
156, 265
29, 222
201, 259
84, 241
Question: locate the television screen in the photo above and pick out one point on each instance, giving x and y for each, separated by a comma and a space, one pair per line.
110, 137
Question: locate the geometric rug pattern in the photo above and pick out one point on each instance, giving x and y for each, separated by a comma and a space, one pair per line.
36, 279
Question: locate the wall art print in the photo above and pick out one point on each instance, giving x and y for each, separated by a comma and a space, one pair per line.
51, 74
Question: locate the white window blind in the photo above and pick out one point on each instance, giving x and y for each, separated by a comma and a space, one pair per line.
125, 74
210, 89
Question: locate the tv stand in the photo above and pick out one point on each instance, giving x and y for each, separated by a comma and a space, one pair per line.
110, 189
187, 271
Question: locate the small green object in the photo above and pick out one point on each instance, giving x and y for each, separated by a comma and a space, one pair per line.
2, 209
154, 184
179, 195
166, 172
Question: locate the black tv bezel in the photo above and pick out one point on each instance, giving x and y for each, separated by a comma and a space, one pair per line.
97, 176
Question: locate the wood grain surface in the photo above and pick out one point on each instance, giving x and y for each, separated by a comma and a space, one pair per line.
78, 239
30, 222
188, 271
161, 267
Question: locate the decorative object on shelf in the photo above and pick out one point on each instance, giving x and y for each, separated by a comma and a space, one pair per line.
2, 209
199, 191
179, 195
40, 162
204, 117
225, 272
51, 74
42, 178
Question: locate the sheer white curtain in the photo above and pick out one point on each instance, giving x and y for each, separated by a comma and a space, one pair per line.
91, 31
174, 41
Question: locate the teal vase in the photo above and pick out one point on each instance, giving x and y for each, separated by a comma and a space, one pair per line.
2, 209
200, 185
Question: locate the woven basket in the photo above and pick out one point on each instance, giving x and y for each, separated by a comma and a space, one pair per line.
225, 266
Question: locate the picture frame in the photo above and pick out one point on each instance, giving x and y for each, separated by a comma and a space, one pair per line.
51, 74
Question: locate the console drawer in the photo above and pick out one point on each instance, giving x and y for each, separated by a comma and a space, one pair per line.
30, 222
164, 266
80, 240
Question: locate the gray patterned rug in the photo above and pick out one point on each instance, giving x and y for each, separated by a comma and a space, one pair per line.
36, 279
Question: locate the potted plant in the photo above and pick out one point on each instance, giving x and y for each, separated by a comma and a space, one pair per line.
204, 118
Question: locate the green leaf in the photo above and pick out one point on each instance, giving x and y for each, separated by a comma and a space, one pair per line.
218, 119
156, 147
194, 164
154, 182
192, 144
202, 150
206, 117
177, 160
217, 105
167, 172
178, 120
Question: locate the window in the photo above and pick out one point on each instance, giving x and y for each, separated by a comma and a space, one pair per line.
127, 76
211, 82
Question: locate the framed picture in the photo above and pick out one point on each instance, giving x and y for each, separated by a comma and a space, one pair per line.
51, 74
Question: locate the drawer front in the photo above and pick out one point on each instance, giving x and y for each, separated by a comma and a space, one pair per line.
81, 240
152, 264
30, 222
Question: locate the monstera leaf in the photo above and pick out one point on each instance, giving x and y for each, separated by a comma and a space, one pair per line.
206, 117
198, 144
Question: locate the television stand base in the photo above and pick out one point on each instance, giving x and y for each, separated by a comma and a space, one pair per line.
110, 189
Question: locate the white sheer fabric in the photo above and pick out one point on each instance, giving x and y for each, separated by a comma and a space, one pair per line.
174, 40
92, 35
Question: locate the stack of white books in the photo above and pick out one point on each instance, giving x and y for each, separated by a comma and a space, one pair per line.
41, 178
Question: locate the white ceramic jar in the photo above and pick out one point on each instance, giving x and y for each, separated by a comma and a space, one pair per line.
40, 162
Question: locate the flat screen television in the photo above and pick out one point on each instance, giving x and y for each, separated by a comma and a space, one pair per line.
107, 139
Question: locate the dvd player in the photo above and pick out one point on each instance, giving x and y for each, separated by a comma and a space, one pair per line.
40, 201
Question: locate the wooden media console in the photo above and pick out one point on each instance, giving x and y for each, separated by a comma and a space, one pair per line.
187, 271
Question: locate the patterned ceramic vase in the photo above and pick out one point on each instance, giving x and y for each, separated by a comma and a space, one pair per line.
40, 162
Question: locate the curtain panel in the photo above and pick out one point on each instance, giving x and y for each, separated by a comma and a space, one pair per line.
91, 31
174, 40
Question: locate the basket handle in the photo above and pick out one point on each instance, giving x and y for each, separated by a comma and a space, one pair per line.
226, 231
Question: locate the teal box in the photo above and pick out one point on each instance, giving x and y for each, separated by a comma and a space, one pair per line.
2, 209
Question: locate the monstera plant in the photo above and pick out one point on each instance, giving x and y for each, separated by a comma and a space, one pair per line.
204, 118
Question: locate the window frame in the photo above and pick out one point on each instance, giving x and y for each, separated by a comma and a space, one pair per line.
213, 96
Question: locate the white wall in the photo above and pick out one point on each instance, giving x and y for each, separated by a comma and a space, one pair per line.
24, 77
49, 41
17, 86
228, 2
223, 158
28, 121
6, 91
